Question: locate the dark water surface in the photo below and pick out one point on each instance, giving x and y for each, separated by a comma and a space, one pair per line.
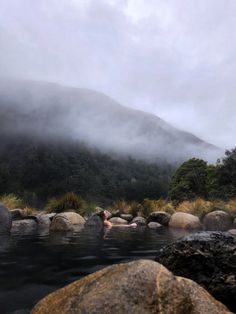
33, 266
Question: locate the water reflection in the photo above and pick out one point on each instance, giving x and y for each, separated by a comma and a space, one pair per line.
32, 266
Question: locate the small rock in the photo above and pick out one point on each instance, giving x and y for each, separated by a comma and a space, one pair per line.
61, 224
185, 221
232, 231
218, 220
118, 221
161, 217
154, 225
140, 221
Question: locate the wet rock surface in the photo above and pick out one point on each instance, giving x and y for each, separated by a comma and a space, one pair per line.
209, 258
185, 221
140, 287
5, 220
218, 220
161, 217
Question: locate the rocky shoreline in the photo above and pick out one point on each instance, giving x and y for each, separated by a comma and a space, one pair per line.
206, 257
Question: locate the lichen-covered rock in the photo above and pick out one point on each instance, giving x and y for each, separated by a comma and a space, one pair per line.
118, 221
5, 220
185, 221
140, 221
140, 287
25, 226
209, 258
161, 217
218, 220
154, 225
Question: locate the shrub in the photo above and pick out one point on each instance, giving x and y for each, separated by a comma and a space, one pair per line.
68, 201
11, 201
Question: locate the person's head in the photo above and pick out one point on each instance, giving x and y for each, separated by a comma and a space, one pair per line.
103, 215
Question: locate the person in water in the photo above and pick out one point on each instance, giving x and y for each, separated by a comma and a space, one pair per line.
107, 224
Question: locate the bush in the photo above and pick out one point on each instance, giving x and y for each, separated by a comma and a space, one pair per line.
68, 201
11, 201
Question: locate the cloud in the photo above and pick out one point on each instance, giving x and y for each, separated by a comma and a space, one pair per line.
172, 58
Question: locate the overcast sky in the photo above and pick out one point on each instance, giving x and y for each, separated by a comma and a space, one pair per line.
174, 58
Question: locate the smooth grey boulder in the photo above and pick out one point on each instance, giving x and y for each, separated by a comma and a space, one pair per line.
161, 217
25, 226
5, 220
43, 221
118, 221
218, 220
209, 258
127, 217
185, 221
154, 225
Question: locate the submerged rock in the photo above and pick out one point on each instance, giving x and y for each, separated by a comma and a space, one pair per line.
25, 226
209, 258
161, 217
5, 220
185, 221
218, 220
140, 287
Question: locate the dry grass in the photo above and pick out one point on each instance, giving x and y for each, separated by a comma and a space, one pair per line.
68, 201
126, 207
150, 206
11, 201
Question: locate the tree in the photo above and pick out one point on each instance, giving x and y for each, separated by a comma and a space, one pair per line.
189, 181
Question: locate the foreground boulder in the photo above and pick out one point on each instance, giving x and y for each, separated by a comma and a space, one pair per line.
185, 221
218, 220
161, 217
140, 287
209, 258
65, 221
25, 226
5, 220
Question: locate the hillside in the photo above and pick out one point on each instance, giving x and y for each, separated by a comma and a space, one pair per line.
50, 111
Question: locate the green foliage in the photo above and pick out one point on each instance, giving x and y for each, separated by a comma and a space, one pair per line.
11, 201
38, 171
68, 201
189, 181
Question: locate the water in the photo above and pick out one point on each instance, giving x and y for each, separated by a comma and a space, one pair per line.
33, 266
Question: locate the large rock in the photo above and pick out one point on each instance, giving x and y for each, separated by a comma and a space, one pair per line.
140, 221
25, 226
161, 217
127, 217
218, 220
5, 220
185, 221
209, 258
66, 221
43, 221
118, 221
140, 287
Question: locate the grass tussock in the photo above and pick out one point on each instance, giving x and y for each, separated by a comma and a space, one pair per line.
150, 206
66, 202
11, 201
126, 207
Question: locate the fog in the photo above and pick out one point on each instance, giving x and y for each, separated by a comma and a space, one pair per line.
174, 59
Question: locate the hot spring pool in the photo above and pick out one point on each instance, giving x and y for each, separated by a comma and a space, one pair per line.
33, 266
